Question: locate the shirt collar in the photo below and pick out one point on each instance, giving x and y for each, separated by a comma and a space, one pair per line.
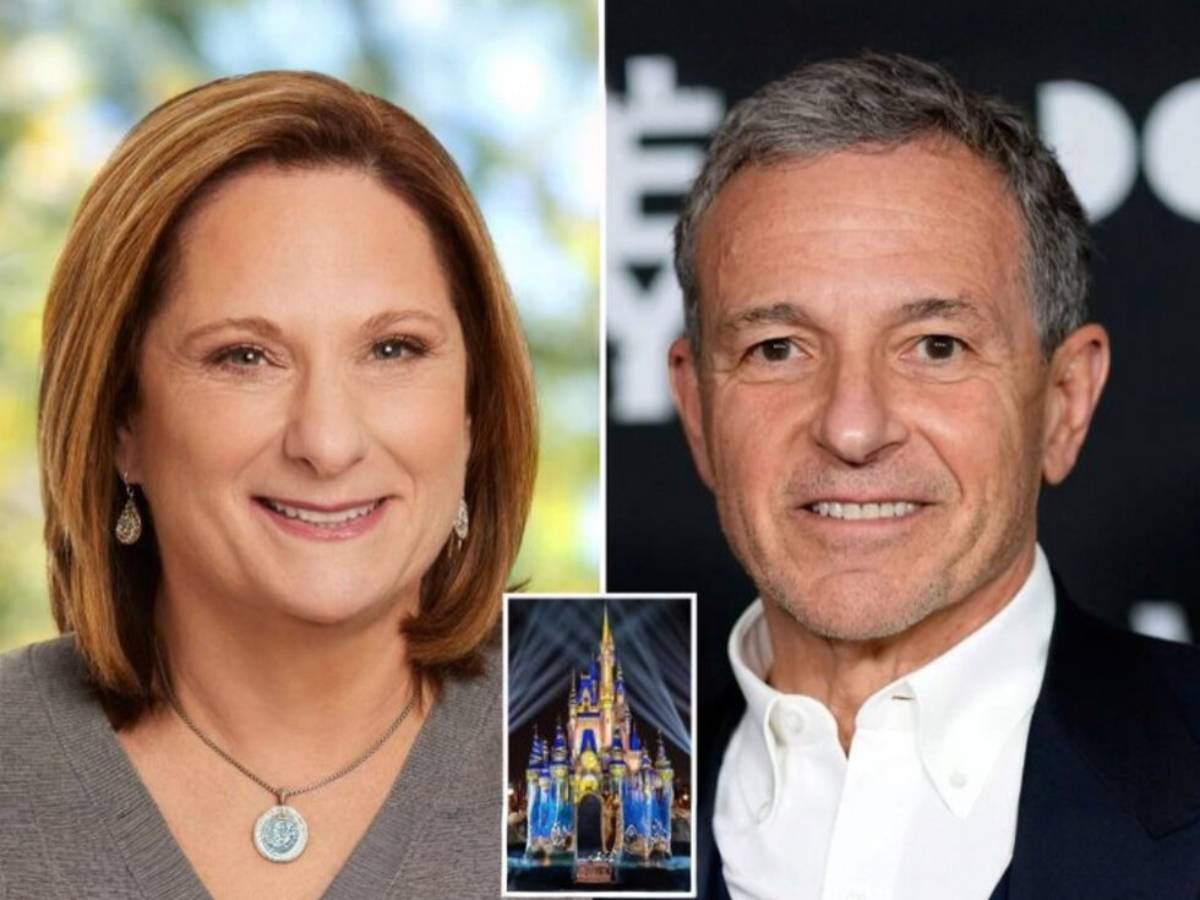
968, 700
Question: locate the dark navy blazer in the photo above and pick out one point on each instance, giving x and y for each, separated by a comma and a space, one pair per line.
1110, 795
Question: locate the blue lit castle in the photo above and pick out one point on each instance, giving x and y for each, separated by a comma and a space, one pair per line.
594, 790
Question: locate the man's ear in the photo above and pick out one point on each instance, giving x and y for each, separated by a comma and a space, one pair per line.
685, 389
1078, 371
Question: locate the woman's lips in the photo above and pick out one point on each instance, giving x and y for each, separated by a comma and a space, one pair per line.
323, 523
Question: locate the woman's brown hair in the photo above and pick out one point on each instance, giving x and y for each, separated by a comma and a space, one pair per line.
118, 263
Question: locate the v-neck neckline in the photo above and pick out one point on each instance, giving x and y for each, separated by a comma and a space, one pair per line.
150, 851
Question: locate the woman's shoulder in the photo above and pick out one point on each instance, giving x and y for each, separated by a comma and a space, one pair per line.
464, 725
43, 688
473, 702
27, 672
60, 771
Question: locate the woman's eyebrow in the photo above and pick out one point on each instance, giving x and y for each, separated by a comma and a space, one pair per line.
256, 324
265, 328
382, 320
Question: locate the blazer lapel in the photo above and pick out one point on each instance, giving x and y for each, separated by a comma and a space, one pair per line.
1110, 767
1001, 890
717, 724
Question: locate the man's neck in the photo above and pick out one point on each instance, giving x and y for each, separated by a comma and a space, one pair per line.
844, 674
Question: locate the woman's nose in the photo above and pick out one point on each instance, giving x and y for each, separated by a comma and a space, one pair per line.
324, 431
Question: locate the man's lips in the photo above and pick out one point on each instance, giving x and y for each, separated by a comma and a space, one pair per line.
865, 510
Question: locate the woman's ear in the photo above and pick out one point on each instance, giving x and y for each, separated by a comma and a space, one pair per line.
126, 455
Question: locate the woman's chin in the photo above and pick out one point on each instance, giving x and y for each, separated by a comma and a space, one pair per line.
338, 606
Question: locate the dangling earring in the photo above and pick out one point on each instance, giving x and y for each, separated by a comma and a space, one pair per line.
462, 522
129, 523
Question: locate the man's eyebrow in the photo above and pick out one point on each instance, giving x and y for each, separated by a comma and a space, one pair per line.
781, 313
938, 308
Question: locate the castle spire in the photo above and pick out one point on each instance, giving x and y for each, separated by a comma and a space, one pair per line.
535, 751
558, 753
661, 761
606, 638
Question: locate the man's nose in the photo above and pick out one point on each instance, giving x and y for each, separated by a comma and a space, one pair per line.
857, 422
325, 431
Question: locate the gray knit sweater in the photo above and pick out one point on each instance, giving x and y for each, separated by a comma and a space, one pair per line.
76, 821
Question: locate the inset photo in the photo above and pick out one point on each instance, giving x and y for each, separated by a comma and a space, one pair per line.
600, 706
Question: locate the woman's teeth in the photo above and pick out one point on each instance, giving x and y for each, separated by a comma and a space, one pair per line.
315, 517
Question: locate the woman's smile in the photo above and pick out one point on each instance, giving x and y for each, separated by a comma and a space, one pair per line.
323, 523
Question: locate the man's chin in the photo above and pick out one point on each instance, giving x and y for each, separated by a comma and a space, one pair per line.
857, 608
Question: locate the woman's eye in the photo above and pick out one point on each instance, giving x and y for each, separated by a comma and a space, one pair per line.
773, 350
940, 347
396, 348
241, 357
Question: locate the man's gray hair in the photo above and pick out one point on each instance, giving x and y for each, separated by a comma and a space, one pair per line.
888, 100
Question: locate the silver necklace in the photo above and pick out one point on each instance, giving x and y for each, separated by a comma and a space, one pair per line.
281, 834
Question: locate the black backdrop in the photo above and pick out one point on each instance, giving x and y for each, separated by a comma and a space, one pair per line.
1122, 531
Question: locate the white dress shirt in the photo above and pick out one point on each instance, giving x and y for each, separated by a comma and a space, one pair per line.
925, 805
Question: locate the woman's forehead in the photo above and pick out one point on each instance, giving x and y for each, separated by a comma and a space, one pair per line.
316, 243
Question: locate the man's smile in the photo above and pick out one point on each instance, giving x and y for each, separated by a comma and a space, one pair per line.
875, 509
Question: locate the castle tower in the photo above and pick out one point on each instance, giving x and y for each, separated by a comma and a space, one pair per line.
646, 804
620, 788
559, 796
620, 713
608, 653
533, 798
633, 759
587, 714
664, 800
572, 714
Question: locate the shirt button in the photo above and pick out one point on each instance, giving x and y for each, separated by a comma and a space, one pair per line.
958, 780
788, 724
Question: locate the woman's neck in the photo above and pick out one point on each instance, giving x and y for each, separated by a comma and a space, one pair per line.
290, 700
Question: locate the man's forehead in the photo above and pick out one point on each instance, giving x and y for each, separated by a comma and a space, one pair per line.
927, 180
900, 225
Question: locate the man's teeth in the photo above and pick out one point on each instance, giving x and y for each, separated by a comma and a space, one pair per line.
838, 510
314, 517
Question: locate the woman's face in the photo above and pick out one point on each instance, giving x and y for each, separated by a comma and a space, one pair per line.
302, 434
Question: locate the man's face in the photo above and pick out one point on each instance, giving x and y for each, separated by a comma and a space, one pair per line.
870, 405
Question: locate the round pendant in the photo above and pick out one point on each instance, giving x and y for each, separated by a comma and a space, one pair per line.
280, 834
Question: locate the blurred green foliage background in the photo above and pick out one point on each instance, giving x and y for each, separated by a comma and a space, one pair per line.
511, 88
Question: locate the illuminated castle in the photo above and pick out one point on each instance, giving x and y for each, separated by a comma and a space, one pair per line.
594, 790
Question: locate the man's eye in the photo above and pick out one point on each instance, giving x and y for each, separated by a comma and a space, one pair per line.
940, 347
398, 347
773, 350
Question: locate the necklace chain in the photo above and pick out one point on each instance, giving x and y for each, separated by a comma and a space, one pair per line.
281, 792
